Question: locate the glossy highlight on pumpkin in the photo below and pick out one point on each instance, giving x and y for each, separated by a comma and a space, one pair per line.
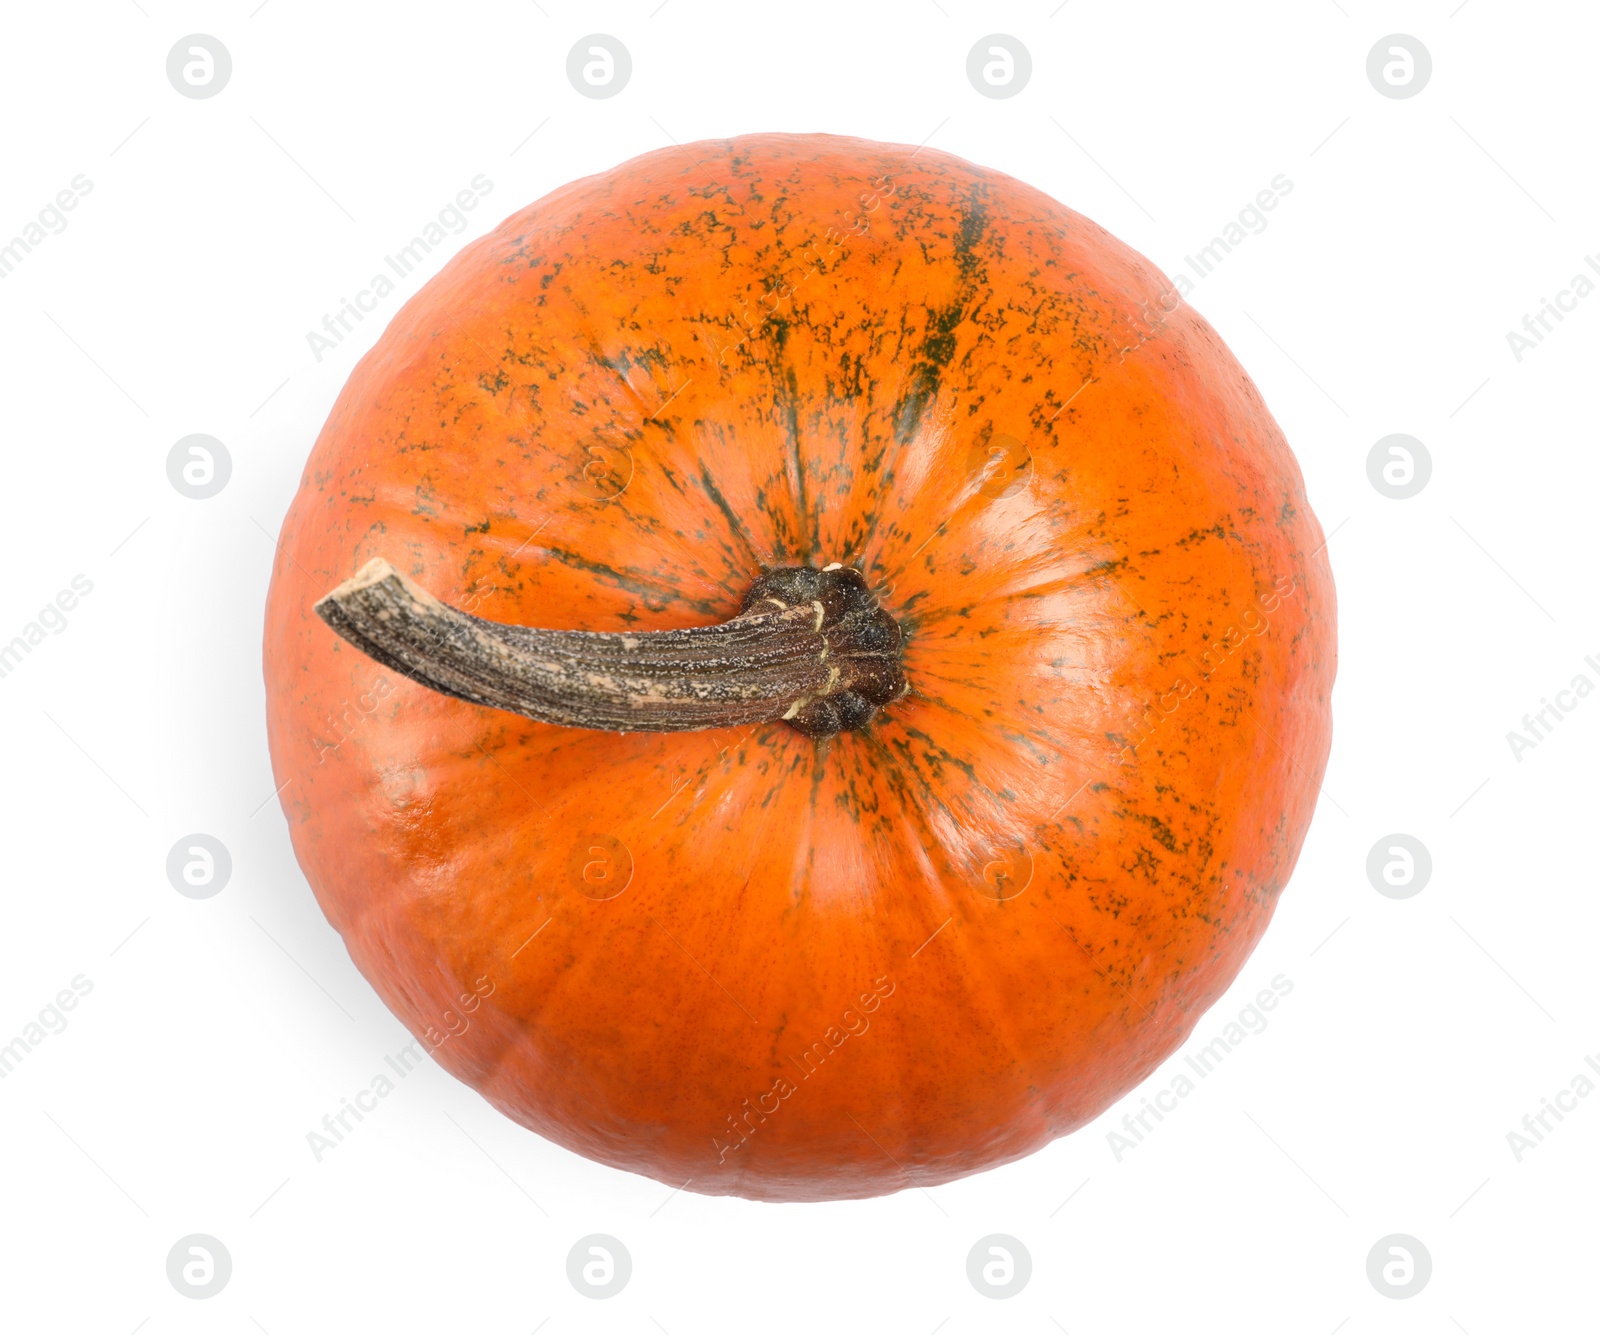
744, 959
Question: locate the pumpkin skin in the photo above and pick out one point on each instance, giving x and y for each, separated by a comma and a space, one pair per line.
743, 960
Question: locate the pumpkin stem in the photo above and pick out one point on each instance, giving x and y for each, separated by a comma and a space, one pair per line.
810, 647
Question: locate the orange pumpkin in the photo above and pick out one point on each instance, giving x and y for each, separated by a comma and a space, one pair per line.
917, 862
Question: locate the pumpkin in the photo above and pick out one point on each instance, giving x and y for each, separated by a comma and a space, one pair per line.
799, 668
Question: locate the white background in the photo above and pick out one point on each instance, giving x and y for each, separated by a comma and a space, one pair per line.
1419, 1032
